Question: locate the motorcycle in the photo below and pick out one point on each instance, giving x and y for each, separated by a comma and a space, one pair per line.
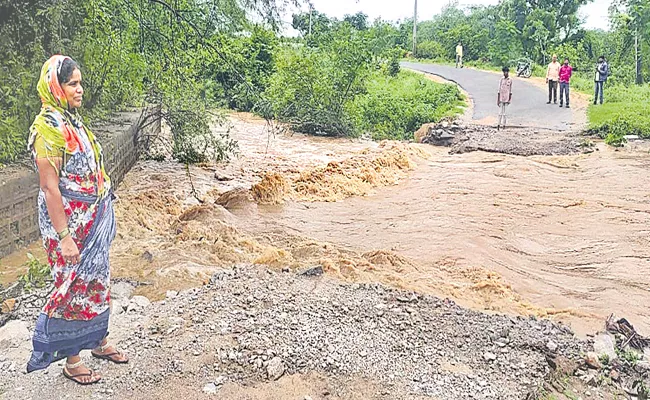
524, 68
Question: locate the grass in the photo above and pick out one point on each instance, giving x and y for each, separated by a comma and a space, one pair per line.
395, 107
629, 356
613, 121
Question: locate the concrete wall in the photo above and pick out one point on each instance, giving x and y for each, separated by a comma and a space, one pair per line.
19, 190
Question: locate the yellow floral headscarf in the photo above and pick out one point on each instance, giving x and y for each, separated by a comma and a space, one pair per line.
57, 124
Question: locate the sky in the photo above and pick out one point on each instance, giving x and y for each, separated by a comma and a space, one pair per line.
595, 14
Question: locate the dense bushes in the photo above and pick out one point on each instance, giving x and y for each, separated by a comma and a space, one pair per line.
395, 107
190, 56
185, 55
338, 88
312, 85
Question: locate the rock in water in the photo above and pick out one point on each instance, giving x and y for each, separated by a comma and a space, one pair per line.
275, 369
222, 177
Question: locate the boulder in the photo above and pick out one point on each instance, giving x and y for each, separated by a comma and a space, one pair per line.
605, 345
138, 304
122, 291
275, 369
8, 306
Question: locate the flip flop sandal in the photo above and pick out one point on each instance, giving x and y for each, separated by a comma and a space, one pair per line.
74, 379
109, 356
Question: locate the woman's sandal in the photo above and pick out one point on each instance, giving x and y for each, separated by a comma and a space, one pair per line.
74, 378
109, 356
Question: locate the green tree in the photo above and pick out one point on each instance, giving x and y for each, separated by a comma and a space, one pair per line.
358, 21
312, 85
133, 51
505, 47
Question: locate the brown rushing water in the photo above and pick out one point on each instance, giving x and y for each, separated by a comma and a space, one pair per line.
565, 237
567, 232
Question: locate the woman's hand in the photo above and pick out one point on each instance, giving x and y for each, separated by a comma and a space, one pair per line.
70, 251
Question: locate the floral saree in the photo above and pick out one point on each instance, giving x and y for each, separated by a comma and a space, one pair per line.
75, 316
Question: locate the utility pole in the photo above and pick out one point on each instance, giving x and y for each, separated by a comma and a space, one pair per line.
310, 9
637, 58
415, 28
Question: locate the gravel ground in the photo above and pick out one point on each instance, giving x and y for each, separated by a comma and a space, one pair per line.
516, 141
249, 326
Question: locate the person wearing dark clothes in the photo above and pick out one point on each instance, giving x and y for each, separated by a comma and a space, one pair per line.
602, 71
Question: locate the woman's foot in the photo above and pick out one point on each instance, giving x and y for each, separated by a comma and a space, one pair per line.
108, 352
79, 373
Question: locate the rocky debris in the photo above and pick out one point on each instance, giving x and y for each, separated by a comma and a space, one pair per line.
616, 360
122, 291
442, 134
250, 325
11, 292
516, 141
626, 333
210, 388
148, 256
138, 304
592, 361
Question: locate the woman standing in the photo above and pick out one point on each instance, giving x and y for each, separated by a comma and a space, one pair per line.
77, 224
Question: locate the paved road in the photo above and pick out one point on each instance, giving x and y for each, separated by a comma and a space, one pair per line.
528, 108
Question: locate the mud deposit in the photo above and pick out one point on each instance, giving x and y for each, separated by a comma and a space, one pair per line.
565, 237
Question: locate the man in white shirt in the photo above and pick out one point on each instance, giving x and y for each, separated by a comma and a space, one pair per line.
552, 78
459, 55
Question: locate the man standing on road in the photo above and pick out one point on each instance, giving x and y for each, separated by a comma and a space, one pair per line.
565, 76
504, 96
552, 77
602, 71
459, 55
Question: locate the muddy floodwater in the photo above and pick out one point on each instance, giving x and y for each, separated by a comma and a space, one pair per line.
565, 237
570, 234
